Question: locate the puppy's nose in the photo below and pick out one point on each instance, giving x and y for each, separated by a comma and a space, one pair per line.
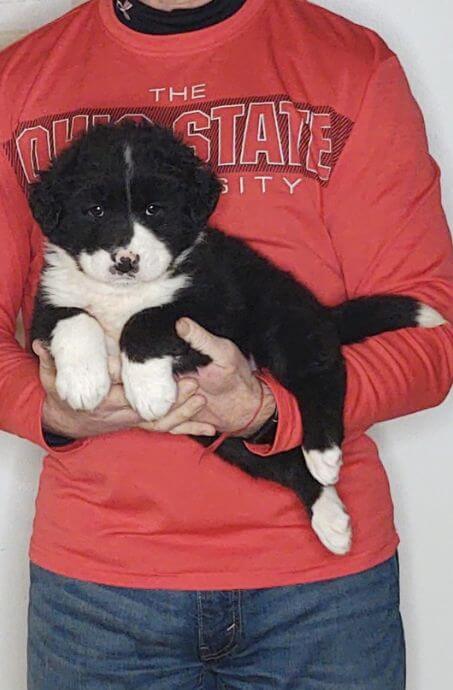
126, 261
124, 265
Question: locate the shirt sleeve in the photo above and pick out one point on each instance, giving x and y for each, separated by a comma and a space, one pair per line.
383, 211
21, 394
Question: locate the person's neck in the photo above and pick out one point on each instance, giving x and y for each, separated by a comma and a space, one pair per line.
166, 17
169, 5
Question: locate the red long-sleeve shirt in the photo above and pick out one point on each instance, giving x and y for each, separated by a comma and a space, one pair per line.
311, 125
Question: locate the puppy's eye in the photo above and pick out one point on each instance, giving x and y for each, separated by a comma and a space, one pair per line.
152, 209
96, 211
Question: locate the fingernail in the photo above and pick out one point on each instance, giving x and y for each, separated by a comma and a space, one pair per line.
183, 327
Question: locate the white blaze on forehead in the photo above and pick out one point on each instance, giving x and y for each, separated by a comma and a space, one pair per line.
129, 173
128, 158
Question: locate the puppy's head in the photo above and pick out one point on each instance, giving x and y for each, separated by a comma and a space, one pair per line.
125, 202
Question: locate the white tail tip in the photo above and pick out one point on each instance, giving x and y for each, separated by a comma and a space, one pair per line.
427, 317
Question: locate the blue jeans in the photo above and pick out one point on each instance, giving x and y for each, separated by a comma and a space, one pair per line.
342, 634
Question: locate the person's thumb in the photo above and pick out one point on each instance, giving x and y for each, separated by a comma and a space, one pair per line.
199, 338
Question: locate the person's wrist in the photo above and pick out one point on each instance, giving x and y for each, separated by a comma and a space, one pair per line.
267, 411
54, 420
266, 433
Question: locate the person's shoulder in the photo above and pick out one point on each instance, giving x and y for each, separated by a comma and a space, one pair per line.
340, 40
22, 61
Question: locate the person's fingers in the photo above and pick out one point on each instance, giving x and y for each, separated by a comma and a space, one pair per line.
116, 397
218, 349
47, 371
177, 415
116, 407
114, 366
37, 347
194, 429
186, 388
45, 358
125, 417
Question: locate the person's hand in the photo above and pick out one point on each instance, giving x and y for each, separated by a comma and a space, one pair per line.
231, 390
115, 413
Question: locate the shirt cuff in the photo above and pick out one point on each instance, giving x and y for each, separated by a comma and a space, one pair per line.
288, 434
55, 440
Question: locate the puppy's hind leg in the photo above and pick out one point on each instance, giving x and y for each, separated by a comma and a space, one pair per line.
331, 522
328, 516
321, 399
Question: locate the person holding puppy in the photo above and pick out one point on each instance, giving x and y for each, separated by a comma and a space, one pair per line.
149, 568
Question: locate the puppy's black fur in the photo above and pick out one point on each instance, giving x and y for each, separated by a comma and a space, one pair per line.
233, 291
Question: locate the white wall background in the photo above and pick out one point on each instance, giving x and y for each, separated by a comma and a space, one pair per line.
417, 450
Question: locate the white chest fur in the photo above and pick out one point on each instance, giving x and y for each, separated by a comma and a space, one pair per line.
111, 305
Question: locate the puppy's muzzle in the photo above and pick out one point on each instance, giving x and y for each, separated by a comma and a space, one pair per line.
125, 262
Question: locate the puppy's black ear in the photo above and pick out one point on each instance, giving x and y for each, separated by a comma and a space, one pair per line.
205, 189
46, 196
44, 205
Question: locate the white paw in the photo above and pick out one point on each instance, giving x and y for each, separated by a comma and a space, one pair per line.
427, 317
149, 386
331, 522
78, 347
324, 465
83, 385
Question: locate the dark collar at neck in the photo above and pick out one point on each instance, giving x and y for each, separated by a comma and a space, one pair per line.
148, 20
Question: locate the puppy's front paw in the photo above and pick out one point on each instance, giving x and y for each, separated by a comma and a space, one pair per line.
78, 347
149, 386
83, 385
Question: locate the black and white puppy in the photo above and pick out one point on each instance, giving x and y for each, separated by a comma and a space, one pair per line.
125, 211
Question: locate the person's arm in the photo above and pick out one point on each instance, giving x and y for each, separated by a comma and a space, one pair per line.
383, 211
21, 394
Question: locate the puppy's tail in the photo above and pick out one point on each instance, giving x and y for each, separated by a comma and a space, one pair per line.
363, 317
